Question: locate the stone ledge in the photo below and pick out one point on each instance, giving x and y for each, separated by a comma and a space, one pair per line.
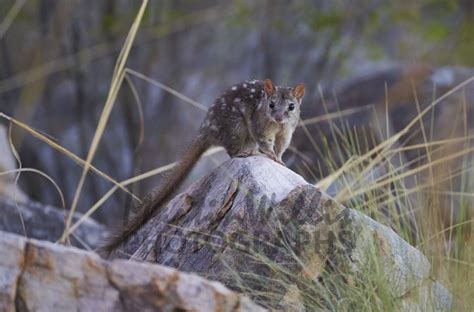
42, 276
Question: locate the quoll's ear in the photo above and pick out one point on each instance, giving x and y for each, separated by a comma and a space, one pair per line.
269, 87
298, 91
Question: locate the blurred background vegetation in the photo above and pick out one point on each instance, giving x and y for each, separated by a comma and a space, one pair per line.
57, 58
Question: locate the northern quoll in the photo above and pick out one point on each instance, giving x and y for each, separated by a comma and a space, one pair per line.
251, 118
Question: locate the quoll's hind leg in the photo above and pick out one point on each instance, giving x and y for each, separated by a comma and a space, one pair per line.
248, 153
235, 141
238, 147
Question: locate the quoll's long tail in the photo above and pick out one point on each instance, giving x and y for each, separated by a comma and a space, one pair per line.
159, 196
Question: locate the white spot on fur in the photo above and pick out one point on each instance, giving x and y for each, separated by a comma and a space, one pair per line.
233, 109
234, 88
237, 100
213, 128
252, 90
251, 96
244, 85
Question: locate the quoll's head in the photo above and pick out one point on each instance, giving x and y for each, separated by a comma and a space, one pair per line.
282, 103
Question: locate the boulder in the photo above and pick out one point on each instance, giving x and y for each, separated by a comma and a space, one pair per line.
259, 227
35, 220
42, 276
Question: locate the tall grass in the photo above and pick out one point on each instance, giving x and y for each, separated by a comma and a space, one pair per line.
117, 79
435, 214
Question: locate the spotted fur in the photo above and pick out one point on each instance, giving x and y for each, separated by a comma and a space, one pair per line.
252, 117
242, 121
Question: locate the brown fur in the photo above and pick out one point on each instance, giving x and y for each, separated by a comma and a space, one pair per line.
150, 206
250, 118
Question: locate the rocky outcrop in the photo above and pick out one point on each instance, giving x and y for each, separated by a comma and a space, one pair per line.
41, 276
35, 220
259, 227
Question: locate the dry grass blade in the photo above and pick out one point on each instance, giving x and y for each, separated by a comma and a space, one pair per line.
430, 144
41, 173
114, 88
10, 17
423, 132
381, 149
436, 102
17, 157
166, 88
66, 152
334, 115
343, 196
141, 116
330, 179
19, 170
450, 228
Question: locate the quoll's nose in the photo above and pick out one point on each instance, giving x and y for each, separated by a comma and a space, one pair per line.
278, 118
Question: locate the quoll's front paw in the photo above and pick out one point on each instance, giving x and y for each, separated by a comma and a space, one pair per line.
274, 158
280, 161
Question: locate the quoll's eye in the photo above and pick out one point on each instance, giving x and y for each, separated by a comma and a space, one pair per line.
272, 104
291, 106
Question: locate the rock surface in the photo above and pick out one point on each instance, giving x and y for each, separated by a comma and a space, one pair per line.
252, 220
45, 222
41, 276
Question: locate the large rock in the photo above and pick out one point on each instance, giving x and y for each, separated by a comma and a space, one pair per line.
46, 222
259, 227
41, 276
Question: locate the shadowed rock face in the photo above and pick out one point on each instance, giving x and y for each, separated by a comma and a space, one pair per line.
20, 215
46, 222
251, 215
40, 276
